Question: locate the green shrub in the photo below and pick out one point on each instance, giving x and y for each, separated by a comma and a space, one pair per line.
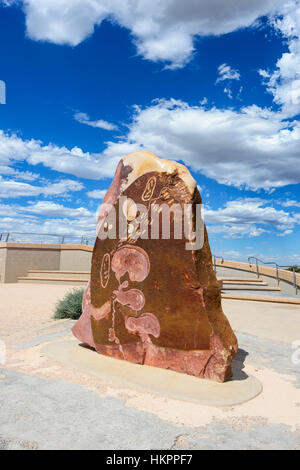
297, 269
70, 306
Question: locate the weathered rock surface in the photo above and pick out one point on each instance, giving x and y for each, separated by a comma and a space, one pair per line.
152, 301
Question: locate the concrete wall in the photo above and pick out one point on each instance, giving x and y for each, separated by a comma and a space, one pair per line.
17, 258
22, 257
76, 258
2, 262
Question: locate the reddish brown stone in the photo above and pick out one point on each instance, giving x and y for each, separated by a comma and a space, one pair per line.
152, 301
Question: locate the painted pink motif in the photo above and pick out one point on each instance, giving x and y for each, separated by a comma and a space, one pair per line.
102, 312
132, 260
146, 324
134, 298
105, 270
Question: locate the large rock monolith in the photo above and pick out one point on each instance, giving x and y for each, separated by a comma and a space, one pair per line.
153, 297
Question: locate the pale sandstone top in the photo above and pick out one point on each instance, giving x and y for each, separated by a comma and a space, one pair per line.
144, 162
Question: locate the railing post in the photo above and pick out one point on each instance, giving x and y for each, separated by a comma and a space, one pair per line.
294, 279
62, 240
7, 237
257, 269
277, 274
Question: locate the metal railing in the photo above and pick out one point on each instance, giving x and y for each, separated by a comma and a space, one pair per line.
23, 237
277, 266
215, 261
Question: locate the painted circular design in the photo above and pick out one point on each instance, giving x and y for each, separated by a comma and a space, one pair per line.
105, 270
149, 189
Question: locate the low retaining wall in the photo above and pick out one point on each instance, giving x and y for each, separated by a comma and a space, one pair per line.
283, 275
17, 258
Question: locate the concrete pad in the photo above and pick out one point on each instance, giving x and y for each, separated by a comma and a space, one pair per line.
276, 322
57, 330
240, 389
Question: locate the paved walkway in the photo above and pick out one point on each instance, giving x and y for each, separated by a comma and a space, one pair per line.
46, 405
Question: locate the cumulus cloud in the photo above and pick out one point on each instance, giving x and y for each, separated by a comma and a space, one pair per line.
162, 31
44, 218
284, 81
249, 217
290, 203
69, 227
51, 209
84, 118
97, 193
252, 147
14, 189
74, 162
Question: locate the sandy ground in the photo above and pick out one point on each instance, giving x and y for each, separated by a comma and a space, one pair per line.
27, 308
90, 412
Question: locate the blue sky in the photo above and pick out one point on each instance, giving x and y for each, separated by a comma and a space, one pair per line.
215, 87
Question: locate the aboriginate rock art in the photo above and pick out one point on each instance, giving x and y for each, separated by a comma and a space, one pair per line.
152, 301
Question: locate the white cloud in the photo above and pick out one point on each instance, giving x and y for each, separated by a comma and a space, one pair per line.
249, 217
69, 227
264, 73
282, 260
162, 30
45, 217
62, 187
74, 162
250, 147
228, 92
22, 175
15, 189
227, 73
97, 193
284, 82
50, 209
290, 203
84, 118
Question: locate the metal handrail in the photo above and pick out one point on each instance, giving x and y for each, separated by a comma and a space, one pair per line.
5, 236
278, 266
257, 260
215, 264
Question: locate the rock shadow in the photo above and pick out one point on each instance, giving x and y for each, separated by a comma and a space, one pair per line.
238, 365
